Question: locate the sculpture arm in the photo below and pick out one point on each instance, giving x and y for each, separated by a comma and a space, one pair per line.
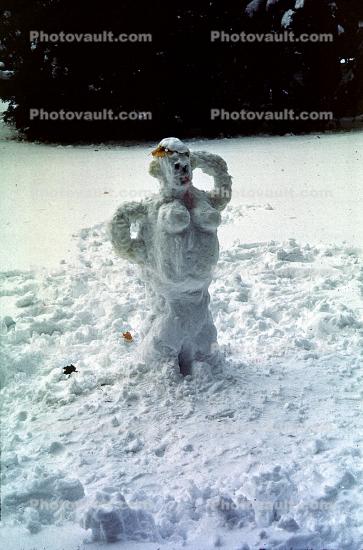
215, 166
119, 228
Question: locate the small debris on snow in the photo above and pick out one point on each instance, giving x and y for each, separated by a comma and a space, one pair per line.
69, 369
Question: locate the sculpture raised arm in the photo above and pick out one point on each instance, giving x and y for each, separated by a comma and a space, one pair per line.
214, 166
125, 246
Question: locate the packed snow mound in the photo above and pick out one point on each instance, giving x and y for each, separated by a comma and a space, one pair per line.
264, 450
44, 498
113, 522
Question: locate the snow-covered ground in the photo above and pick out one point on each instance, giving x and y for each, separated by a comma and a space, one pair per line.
263, 454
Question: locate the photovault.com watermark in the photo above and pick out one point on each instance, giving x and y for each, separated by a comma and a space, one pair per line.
285, 114
282, 506
103, 36
270, 194
89, 116
269, 37
52, 505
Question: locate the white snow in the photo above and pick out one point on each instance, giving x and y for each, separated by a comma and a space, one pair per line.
299, 4
271, 3
6, 75
174, 144
287, 18
266, 454
253, 7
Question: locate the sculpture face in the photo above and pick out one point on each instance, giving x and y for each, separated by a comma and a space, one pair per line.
176, 172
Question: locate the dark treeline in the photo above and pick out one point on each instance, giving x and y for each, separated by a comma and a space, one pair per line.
180, 75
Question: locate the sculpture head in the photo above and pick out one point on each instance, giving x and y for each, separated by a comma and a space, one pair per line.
172, 166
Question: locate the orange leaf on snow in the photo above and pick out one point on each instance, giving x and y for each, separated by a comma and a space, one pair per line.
127, 336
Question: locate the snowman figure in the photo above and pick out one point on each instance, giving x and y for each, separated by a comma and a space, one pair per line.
176, 246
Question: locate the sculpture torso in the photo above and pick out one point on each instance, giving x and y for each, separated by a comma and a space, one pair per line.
183, 244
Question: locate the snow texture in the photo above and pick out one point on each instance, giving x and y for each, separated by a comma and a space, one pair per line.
271, 444
299, 4
271, 3
266, 453
177, 247
287, 18
254, 7
113, 522
6, 75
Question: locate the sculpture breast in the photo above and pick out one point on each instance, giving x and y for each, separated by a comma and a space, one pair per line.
173, 217
205, 217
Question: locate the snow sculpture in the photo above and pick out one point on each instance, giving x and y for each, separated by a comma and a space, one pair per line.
177, 248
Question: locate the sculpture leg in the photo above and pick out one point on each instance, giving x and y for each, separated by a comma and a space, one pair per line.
160, 343
205, 338
181, 332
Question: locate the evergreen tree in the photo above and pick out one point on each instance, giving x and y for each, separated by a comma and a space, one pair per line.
181, 75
